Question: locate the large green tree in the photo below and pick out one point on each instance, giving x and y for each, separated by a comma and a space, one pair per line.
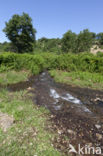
69, 41
20, 32
100, 38
84, 41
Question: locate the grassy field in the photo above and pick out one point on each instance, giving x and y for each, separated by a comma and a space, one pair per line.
82, 79
10, 77
28, 135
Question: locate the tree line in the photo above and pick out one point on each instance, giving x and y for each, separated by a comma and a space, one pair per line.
22, 35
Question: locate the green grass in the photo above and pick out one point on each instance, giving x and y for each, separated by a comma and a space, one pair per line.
9, 77
28, 136
82, 79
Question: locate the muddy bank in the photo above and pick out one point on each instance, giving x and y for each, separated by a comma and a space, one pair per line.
20, 85
77, 113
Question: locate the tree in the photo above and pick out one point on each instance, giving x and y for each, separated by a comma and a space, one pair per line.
84, 41
100, 38
20, 32
51, 45
42, 42
69, 41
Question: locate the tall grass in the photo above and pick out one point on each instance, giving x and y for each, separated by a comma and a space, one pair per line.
79, 78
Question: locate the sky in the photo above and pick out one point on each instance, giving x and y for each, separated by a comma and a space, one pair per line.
52, 18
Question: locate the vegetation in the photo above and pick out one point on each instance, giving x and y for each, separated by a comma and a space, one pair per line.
5, 47
10, 77
66, 61
38, 62
10, 61
48, 45
84, 41
81, 79
85, 69
20, 32
27, 136
100, 38
69, 42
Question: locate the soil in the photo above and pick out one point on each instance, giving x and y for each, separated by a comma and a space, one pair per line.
76, 123
20, 85
95, 49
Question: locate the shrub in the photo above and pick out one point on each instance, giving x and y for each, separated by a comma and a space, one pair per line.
39, 62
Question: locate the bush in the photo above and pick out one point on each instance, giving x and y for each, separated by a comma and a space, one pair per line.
39, 62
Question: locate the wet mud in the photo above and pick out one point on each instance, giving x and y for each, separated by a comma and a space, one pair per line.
77, 113
20, 85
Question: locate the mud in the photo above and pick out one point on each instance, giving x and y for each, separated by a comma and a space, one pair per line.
77, 113
20, 85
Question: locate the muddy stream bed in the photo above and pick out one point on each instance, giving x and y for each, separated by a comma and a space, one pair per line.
76, 113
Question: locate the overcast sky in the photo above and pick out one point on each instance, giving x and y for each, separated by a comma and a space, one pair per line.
52, 18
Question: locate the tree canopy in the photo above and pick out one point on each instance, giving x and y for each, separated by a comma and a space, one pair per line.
72, 42
100, 38
84, 40
52, 45
20, 32
69, 41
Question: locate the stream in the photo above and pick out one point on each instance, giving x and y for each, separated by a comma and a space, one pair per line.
55, 97
77, 113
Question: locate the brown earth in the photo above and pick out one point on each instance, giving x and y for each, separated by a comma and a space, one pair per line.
95, 49
73, 124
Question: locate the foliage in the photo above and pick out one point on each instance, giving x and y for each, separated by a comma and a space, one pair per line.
100, 38
10, 77
7, 46
35, 63
39, 62
78, 78
48, 45
100, 54
69, 42
84, 41
77, 43
20, 32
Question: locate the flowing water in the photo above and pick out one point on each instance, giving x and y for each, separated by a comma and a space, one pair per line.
78, 111
56, 97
